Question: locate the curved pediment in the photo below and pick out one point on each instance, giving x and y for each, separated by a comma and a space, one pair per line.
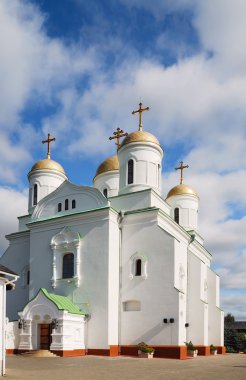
65, 237
69, 199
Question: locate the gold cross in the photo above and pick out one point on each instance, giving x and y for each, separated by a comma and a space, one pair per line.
117, 135
181, 168
140, 111
48, 141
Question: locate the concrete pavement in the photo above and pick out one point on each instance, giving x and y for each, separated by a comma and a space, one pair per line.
226, 367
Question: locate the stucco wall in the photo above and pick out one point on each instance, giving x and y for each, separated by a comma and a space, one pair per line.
159, 299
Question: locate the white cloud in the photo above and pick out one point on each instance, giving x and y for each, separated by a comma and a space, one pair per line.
200, 101
230, 300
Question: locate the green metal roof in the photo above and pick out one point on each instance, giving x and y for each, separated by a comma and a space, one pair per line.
62, 303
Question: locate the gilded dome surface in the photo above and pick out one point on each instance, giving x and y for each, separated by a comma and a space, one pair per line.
108, 165
48, 164
140, 136
181, 190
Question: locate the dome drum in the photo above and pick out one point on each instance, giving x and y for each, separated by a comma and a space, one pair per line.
145, 157
106, 179
45, 176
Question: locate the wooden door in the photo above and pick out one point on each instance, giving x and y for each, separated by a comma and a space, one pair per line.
45, 336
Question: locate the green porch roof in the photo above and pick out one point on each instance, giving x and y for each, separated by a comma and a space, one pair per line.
62, 303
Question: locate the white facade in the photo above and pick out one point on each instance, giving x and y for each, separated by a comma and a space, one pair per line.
7, 279
2, 325
137, 274
108, 181
147, 159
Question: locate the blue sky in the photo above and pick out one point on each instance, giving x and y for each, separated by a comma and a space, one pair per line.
78, 68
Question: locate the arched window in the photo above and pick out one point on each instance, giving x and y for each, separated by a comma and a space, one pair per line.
138, 267
66, 204
68, 265
130, 172
35, 194
59, 207
176, 215
105, 193
73, 203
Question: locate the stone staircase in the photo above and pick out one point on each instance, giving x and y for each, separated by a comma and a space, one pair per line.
39, 354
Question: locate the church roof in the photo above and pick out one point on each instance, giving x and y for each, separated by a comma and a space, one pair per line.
182, 189
62, 303
49, 164
110, 164
140, 136
6, 270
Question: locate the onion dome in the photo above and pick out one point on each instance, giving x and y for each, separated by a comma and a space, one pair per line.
108, 165
182, 190
140, 136
48, 164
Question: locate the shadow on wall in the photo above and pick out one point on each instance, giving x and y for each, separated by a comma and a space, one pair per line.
153, 332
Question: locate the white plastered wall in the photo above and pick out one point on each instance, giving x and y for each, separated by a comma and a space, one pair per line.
197, 307
2, 325
12, 335
215, 315
156, 293
69, 335
188, 210
180, 283
147, 158
17, 257
108, 180
47, 181
97, 292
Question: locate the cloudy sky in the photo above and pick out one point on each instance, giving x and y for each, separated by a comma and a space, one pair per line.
77, 68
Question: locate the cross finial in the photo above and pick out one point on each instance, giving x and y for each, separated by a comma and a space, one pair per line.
181, 168
140, 111
48, 141
117, 135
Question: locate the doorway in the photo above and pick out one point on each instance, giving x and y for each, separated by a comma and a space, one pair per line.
45, 336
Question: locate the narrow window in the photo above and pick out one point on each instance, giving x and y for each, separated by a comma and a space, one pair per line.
68, 265
66, 204
35, 194
73, 203
159, 175
59, 207
176, 215
105, 193
130, 172
138, 267
28, 277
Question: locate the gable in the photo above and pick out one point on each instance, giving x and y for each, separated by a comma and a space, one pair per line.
49, 304
85, 198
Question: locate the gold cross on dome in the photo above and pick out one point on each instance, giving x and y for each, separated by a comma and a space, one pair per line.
140, 111
48, 141
181, 168
117, 135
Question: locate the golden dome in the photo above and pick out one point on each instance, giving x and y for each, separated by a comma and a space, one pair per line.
48, 164
140, 136
182, 190
108, 165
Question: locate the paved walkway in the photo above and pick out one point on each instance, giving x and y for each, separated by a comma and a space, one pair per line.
226, 367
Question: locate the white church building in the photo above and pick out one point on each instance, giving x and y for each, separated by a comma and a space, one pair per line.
106, 267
